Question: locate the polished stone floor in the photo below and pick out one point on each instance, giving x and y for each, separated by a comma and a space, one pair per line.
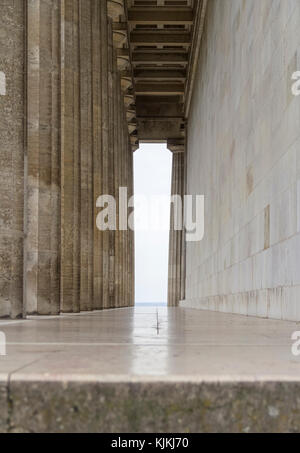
150, 344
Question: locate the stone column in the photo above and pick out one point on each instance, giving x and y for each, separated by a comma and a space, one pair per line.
177, 238
179, 234
183, 237
121, 236
124, 124
126, 250
111, 158
115, 9
172, 243
42, 200
105, 147
86, 156
117, 103
70, 157
130, 232
132, 249
97, 150
125, 184
12, 102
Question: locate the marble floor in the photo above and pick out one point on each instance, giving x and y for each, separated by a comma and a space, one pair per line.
149, 344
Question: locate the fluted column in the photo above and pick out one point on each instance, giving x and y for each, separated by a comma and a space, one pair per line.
176, 279
97, 151
70, 157
122, 248
105, 146
132, 235
42, 201
130, 238
111, 159
183, 235
126, 250
78, 125
117, 103
13, 103
86, 156
124, 136
172, 240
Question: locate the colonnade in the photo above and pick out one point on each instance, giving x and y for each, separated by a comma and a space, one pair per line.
64, 143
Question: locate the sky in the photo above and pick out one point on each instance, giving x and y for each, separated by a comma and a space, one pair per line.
152, 175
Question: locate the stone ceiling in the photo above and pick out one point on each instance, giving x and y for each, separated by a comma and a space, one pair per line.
157, 42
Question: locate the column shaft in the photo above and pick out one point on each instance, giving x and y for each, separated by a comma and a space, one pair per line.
117, 167
105, 146
121, 180
12, 136
180, 182
70, 157
110, 169
183, 236
86, 157
177, 238
171, 240
132, 250
123, 233
122, 167
42, 201
97, 150
130, 232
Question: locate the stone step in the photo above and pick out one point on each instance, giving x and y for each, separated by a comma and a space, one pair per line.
83, 406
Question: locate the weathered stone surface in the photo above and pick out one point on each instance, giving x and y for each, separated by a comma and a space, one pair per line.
243, 156
70, 158
86, 157
42, 201
155, 407
58, 130
105, 126
111, 160
176, 251
97, 152
12, 108
117, 245
131, 253
4, 413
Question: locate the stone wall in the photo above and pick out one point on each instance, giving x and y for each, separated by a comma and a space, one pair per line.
63, 109
243, 155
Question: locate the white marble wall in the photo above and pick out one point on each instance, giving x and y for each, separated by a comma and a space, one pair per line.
244, 156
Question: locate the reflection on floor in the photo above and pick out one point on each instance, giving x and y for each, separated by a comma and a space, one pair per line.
152, 346
150, 341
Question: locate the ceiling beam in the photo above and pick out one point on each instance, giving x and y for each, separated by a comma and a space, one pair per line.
159, 58
160, 15
168, 89
157, 75
160, 38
